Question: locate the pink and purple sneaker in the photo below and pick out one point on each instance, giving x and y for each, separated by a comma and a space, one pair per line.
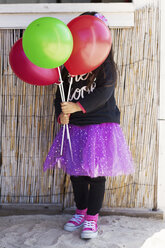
76, 221
90, 228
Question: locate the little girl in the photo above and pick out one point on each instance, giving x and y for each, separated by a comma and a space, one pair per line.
98, 144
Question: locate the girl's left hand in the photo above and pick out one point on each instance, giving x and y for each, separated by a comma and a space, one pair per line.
70, 107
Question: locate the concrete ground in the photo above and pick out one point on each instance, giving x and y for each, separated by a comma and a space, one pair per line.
46, 231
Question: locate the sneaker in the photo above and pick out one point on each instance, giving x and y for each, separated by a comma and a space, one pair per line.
90, 228
76, 221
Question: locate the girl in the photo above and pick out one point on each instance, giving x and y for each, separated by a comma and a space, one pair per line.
98, 144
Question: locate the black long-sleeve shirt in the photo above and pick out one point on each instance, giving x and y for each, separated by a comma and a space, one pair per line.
98, 102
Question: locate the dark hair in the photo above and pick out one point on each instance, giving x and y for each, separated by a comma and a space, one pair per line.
112, 71
89, 13
110, 59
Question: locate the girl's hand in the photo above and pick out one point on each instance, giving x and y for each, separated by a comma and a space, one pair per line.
70, 107
64, 118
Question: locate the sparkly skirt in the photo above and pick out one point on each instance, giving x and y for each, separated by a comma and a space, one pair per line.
98, 150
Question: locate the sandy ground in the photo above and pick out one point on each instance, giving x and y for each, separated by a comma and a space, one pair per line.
46, 231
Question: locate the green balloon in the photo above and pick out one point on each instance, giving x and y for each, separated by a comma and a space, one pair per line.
47, 42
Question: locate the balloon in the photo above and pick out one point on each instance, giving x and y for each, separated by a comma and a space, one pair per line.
91, 44
27, 71
47, 42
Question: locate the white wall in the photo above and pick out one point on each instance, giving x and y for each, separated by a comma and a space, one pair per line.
161, 119
21, 15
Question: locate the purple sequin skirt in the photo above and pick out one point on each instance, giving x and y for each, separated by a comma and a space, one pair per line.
98, 150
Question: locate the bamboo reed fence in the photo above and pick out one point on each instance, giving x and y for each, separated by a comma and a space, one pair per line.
28, 125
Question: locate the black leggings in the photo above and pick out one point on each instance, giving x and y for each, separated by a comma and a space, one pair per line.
88, 192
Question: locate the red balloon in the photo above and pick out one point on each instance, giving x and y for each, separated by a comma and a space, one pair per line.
91, 44
27, 71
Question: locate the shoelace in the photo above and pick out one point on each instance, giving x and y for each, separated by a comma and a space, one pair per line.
89, 224
77, 218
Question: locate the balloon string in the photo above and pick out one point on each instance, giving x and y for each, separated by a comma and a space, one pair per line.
61, 86
67, 127
61, 92
68, 136
63, 131
70, 85
62, 142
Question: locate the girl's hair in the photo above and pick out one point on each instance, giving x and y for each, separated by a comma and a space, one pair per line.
110, 59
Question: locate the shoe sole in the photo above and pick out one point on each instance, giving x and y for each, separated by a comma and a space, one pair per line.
71, 228
85, 235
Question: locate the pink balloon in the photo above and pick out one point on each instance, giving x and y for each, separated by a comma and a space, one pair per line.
27, 71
